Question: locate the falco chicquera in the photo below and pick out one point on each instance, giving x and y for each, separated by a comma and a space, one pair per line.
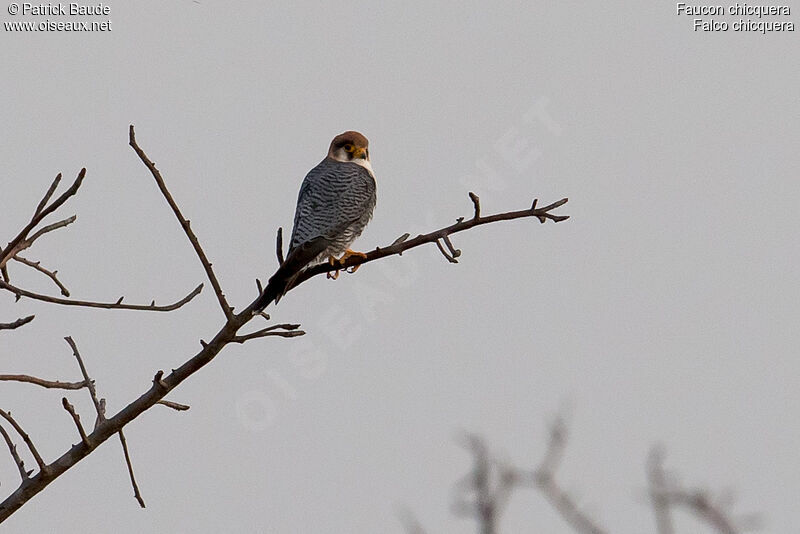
334, 205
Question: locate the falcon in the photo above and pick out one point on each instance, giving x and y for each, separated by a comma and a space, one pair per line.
335, 203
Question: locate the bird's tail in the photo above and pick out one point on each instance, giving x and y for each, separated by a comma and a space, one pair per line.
286, 275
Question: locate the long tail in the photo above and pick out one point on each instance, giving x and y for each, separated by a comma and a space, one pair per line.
284, 278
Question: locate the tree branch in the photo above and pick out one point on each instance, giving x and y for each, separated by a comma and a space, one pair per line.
400, 245
50, 274
118, 305
76, 418
42, 212
136, 494
14, 454
185, 224
665, 495
26, 438
17, 323
177, 406
50, 384
280, 330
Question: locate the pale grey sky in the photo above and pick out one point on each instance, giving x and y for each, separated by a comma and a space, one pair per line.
665, 310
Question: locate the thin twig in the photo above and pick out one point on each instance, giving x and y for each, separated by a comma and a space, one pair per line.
40, 214
666, 495
50, 384
47, 229
48, 195
174, 405
88, 381
136, 494
450, 258
279, 245
543, 478
657, 486
476, 201
185, 224
25, 437
76, 418
24, 475
19, 292
17, 323
50, 274
281, 330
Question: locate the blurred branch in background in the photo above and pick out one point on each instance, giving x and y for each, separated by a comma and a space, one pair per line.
484, 492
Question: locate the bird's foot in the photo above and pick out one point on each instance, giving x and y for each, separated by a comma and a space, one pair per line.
332, 275
348, 253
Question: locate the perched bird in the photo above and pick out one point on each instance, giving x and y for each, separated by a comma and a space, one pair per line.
334, 205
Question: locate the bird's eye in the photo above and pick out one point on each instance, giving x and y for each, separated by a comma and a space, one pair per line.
348, 147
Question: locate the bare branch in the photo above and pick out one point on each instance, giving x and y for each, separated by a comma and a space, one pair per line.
281, 330
118, 305
401, 245
543, 478
46, 229
26, 438
657, 486
41, 213
666, 495
88, 381
136, 494
76, 418
279, 245
185, 224
17, 323
48, 195
476, 201
449, 258
50, 274
174, 405
50, 384
14, 454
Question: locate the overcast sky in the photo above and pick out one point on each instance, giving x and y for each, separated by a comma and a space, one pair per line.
665, 309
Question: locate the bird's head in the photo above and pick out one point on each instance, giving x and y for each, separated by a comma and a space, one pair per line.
349, 146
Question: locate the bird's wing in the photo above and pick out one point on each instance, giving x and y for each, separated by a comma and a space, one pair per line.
333, 196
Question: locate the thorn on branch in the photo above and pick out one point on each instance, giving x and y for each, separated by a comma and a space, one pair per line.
259, 286
476, 201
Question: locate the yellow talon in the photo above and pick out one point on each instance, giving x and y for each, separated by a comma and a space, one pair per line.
332, 275
348, 253
333, 262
